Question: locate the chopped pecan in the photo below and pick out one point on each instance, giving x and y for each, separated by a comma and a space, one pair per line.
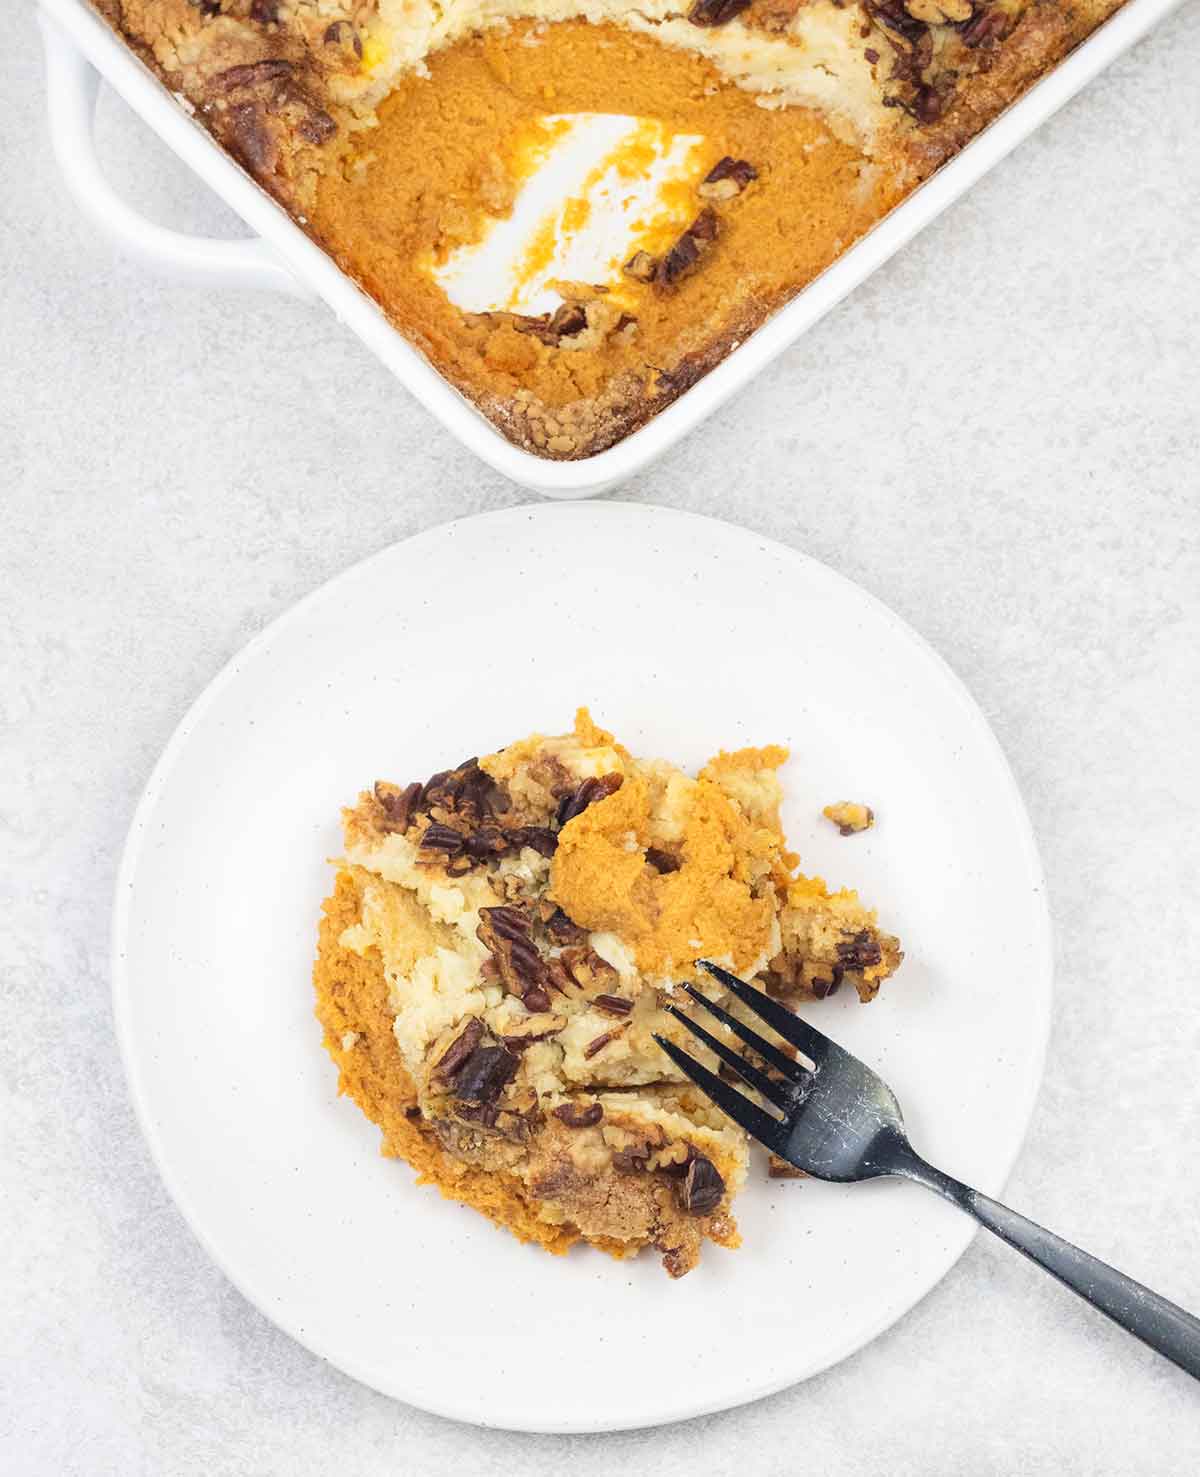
688, 250
488, 841
343, 34
436, 837
558, 925
534, 1028
988, 24
452, 1059
930, 105
505, 931
398, 805
541, 838
716, 12
265, 12
702, 1188
728, 177
536, 999
641, 266
597, 1045
577, 801
251, 139
613, 1004
860, 952
892, 15
662, 861
317, 127
568, 320
822, 986
466, 792
577, 1115
484, 1074
249, 74
584, 967
484, 1114
504, 923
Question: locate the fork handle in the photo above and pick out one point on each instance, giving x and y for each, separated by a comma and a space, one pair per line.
1163, 1325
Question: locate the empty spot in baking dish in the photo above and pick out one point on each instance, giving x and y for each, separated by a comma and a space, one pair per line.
593, 188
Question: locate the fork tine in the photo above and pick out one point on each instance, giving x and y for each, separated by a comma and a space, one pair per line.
772, 1054
817, 1047
778, 1093
757, 1123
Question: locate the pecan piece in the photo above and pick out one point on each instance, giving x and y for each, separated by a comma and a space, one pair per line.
821, 987
484, 1074
988, 24
702, 1188
930, 105
560, 927
265, 12
466, 792
456, 1054
892, 15
662, 861
251, 139
577, 1115
343, 34
437, 837
716, 12
317, 127
585, 968
576, 801
568, 320
536, 1028
687, 251
541, 838
271, 70
399, 805
505, 931
860, 952
641, 266
487, 842
613, 1004
728, 177
594, 1047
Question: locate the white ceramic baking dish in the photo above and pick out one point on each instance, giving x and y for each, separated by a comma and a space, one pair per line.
80, 48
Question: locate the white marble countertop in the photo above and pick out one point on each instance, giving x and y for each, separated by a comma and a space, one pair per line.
998, 435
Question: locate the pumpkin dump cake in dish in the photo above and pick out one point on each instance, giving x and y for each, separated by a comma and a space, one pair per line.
575, 208
495, 958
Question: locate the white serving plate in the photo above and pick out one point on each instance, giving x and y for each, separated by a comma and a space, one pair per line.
225, 867
79, 45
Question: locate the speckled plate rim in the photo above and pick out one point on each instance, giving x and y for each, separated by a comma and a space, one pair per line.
677, 1406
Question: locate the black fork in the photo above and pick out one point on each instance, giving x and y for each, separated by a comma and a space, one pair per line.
837, 1120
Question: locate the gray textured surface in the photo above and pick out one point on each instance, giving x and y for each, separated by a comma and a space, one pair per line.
998, 435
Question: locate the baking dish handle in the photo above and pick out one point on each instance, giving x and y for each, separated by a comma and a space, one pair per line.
72, 86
